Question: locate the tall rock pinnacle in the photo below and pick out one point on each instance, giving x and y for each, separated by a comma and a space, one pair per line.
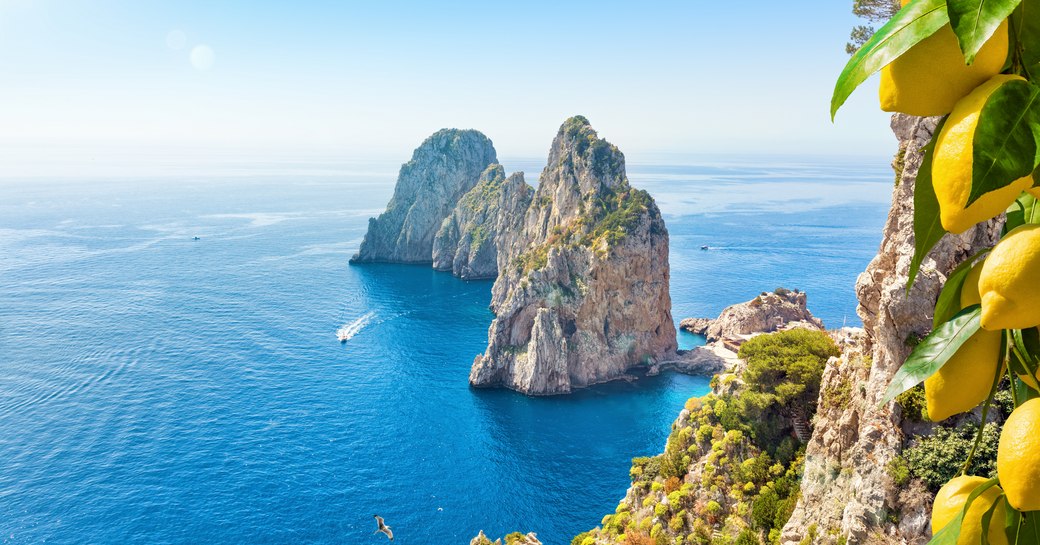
441, 171
582, 292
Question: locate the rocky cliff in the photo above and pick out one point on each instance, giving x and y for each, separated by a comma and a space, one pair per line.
848, 494
467, 242
769, 311
429, 186
582, 293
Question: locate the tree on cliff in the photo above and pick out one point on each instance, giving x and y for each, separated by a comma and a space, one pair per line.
784, 372
787, 366
874, 11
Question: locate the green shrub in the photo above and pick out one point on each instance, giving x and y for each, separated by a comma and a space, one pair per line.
937, 458
914, 406
747, 537
899, 470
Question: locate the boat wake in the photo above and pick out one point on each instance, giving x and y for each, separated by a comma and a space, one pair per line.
348, 331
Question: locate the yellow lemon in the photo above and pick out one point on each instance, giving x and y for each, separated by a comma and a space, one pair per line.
930, 77
1018, 457
970, 290
952, 162
965, 380
949, 503
1010, 281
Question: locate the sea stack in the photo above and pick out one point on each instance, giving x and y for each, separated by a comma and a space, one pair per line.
468, 240
429, 186
582, 292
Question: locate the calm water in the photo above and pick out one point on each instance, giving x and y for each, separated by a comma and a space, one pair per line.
156, 389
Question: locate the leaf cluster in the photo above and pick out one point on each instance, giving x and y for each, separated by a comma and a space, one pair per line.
786, 367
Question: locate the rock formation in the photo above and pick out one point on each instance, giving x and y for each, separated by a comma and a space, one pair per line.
582, 293
847, 491
512, 539
429, 186
783, 309
467, 242
697, 326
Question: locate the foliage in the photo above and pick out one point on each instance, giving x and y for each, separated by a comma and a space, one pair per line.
785, 368
532, 260
899, 471
913, 403
747, 537
616, 214
938, 458
874, 11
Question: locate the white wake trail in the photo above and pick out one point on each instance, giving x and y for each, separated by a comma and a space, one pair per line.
348, 331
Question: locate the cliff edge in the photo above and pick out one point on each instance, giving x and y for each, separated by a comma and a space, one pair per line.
848, 494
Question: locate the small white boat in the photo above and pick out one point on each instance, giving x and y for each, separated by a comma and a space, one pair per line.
348, 331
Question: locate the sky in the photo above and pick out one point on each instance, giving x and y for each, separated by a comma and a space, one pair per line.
93, 81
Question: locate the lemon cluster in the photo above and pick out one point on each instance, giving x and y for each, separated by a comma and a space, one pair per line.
933, 79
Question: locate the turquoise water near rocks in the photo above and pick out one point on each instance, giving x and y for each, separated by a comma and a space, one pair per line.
159, 389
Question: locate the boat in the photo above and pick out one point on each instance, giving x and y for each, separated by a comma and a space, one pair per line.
343, 335
705, 247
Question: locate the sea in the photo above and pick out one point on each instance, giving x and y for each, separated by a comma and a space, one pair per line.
159, 388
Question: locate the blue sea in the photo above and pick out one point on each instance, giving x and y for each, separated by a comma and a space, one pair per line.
164, 390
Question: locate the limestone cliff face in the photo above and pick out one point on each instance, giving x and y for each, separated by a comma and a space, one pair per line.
582, 293
847, 491
467, 242
765, 313
446, 166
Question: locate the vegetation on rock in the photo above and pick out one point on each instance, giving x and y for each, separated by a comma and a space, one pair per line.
731, 466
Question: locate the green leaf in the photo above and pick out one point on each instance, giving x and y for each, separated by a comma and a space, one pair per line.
949, 303
1012, 522
1030, 530
928, 229
1026, 25
915, 22
974, 21
1024, 210
1026, 345
952, 531
987, 518
934, 351
1004, 145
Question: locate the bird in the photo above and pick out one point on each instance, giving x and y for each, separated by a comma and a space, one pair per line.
383, 528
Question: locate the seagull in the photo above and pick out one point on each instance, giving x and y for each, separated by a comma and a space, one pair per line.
383, 528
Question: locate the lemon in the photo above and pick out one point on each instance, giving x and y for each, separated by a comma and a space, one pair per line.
965, 380
932, 75
1018, 457
952, 162
1010, 281
970, 289
949, 503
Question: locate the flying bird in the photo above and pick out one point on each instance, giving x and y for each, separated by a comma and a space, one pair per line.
383, 528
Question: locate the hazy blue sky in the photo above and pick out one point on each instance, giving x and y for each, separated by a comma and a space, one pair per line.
195, 79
